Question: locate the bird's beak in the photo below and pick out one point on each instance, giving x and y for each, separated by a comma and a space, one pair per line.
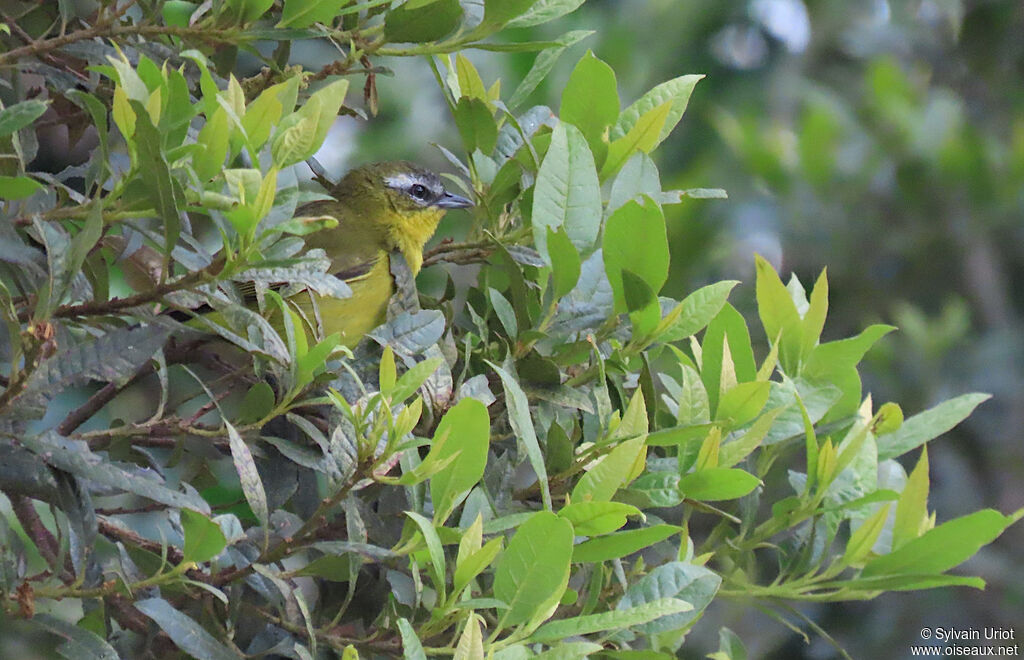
450, 201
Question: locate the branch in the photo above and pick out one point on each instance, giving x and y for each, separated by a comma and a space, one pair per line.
114, 305
105, 30
458, 253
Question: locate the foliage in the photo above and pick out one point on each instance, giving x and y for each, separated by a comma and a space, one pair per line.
549, 459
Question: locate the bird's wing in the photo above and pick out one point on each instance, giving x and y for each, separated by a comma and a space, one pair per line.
349, 275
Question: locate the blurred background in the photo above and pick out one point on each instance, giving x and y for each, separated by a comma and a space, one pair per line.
884, 140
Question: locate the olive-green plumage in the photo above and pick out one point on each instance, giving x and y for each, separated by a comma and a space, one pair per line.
380, 208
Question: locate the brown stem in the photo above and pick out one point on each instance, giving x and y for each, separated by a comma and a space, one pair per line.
458, 253
106, 30
45, 542
118, 533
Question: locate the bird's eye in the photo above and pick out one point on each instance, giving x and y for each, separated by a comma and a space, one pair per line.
419, 191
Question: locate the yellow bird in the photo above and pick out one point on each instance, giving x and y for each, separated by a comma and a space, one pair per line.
380, 208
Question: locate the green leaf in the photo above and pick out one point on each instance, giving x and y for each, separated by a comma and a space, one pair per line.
590, 101
620, 544
735, 451
635, 239
814, 317
912, 506
676, 91
943, 547
78, 643
204, 538
426, 21
499, 12
698, 309
863, 539
613, 620
654, 490
596, 518
300, 134
544, 11
602, 480
742, 402
75, 457
929, 424
533, 572
471, 641
177, 12
715, 484
214, 136
266, 110
164, 192
565, 262
469, 429
693, 584
522, 426
476, 125
475, 564
728, 324
567, 194
248, 476
642, 137
19, 187
187, 635
730, 646
20, 115
412, 648
543, 64
779, 315
414, 378
303, 13
434, 549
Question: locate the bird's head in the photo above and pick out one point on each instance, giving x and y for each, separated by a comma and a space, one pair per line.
407, 201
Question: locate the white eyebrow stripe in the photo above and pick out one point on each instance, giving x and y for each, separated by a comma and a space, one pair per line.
401, 181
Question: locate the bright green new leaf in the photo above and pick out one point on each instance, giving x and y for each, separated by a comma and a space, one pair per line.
434, 549
943, 547
735, 451
635, 239
471, 641
697, 310
412, 647
912, 507
469, 429
863, 539
620, 544
642, 137
779, 315
475, 563
19, 187
814, 317
676, 91
533, 572
476, 125
590, 101
470, 83
727, 324
124, 116
567, 193
742, 402
715, 484
267, 109
214, 136
565, 261
204, 538
929, 424
601, 481
596, 518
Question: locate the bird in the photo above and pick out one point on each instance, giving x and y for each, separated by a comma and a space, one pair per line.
380, 208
